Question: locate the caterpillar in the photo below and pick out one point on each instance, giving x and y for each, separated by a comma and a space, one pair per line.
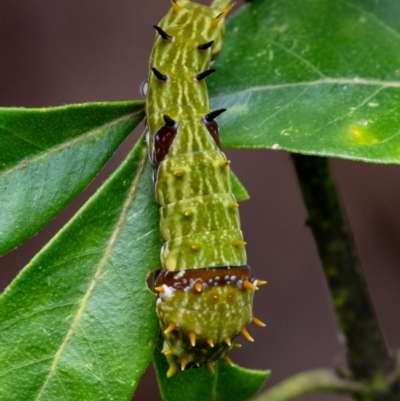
205, 288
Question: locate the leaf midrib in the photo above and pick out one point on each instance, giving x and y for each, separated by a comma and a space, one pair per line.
326, 81
99, 271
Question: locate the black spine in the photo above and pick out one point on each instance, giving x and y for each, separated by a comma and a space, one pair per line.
205, 46
214, 114
163, 34
160, 76
169, 122
204, 74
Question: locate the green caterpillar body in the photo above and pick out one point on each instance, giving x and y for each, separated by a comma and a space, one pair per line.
205, 288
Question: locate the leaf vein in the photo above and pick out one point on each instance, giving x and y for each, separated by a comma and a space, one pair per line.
58, 148
349, 113
299, 57
285, 106
373, 16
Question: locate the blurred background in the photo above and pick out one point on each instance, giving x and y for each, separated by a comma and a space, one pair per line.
54, 52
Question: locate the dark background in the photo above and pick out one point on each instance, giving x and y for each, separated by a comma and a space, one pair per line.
54, 52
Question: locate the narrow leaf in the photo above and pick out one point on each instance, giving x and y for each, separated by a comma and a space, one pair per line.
238, 189
317, 77
47, 156
78, 323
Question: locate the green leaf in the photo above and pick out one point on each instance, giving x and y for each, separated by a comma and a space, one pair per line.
79, 322
198, 384
318, 77
47, 156
238, 189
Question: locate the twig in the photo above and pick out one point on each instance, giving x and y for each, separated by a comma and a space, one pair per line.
313, 381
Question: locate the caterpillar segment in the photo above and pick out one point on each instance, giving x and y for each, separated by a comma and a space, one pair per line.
205, 288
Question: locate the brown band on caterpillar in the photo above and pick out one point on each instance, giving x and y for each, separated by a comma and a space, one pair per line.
185, 280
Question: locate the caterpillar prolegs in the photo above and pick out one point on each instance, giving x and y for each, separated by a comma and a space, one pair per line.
205, 288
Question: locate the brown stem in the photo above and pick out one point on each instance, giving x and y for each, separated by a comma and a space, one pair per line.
367, 354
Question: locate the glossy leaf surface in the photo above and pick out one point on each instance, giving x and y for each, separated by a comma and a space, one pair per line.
199, 384
318, 77
78, 323
48, 156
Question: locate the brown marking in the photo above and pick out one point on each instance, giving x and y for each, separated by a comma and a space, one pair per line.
212, 128
162, 142
217, 276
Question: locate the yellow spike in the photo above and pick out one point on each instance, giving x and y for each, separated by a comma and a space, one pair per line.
184, 362
246, 334
172, 370
160, 288
249, 286
192, 337
239, 242
228, 360
188, 213
228, 341
168, 352
175, 5
233, 205
237, 345
195, 247
198, 286
258, 322
210, 342
171, 327
261, 282
228, 8
210, 367
225, 163
179, 173
223, 14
